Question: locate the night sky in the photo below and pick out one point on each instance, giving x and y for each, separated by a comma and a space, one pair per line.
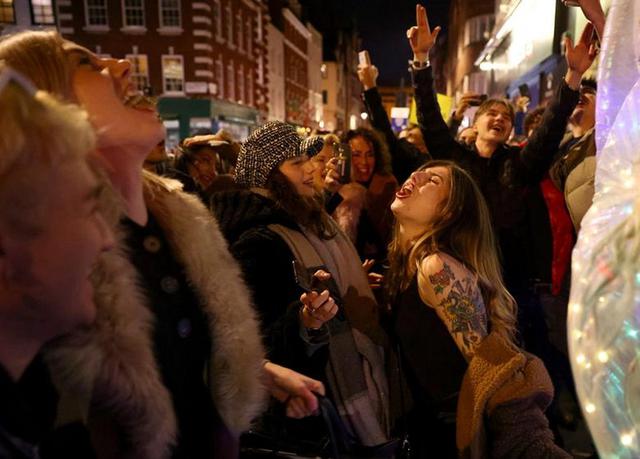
382, 25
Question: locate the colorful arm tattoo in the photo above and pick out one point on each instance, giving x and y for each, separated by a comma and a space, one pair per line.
462, 309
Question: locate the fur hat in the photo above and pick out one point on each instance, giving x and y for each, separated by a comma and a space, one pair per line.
269, 146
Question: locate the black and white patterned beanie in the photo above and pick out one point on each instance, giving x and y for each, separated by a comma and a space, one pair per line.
267, 147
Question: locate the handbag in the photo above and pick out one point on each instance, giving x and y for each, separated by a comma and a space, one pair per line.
337, 443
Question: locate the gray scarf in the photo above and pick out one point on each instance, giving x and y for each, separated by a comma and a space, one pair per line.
361, 397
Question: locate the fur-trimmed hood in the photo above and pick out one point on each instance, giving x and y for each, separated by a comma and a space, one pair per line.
112, 363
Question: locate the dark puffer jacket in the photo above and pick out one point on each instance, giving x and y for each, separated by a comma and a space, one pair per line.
508, 180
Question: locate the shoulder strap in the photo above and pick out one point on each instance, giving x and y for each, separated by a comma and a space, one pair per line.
299, 245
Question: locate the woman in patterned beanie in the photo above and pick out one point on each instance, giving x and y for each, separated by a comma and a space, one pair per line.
318, 317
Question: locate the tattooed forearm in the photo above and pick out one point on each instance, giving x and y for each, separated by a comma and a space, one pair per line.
462, 309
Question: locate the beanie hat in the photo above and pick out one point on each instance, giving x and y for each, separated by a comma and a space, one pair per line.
269, 146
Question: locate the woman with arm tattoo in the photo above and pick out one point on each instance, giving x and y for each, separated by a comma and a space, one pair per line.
454, 322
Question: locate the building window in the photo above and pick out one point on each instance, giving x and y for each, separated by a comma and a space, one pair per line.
323, 71
240, 30
170, 13
241, 86
217, 18
229, 20
172, 74
478, 28
231, 82
220, 76
139, 70
42, 12
133, 11
6, 12
96, 12
325, 97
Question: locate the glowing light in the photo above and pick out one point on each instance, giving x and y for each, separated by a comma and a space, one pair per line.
364, 115
627, 439
576, 308
603, 356
581, 359
590, 408
485, 66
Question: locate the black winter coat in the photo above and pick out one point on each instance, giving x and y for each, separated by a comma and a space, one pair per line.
509, 180
267, 264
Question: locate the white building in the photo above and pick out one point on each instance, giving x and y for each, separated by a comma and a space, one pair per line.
333, 96
276, 74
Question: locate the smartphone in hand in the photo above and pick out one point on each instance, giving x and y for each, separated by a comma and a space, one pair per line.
305, 280
481, 99
342, 152
363, 58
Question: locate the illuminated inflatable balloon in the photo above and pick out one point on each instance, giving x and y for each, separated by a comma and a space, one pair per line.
604, 309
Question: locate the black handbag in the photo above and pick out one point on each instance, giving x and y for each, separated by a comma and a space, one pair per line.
338, 443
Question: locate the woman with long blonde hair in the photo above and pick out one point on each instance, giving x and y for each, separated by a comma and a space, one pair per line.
173, 365
454, 322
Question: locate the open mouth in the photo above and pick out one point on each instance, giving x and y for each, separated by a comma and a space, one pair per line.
498, 129
405, 191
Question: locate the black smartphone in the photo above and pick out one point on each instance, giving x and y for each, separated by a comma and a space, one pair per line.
524, 90
342, 151
479, 101
305, 280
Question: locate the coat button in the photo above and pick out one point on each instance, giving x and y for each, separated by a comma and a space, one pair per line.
151, 244
169, 284
184, 328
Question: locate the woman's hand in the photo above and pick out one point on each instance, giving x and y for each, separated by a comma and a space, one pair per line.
331, 176
421, 39
317, 308
296, 390
368, 75
375, 279
580, 57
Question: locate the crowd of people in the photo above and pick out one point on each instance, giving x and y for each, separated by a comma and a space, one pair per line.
403, 294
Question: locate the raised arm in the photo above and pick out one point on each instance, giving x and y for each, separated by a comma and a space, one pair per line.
405, 158
448, 287
439, 141
545, 140
368, 76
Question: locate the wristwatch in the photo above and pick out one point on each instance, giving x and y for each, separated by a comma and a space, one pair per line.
417, 64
